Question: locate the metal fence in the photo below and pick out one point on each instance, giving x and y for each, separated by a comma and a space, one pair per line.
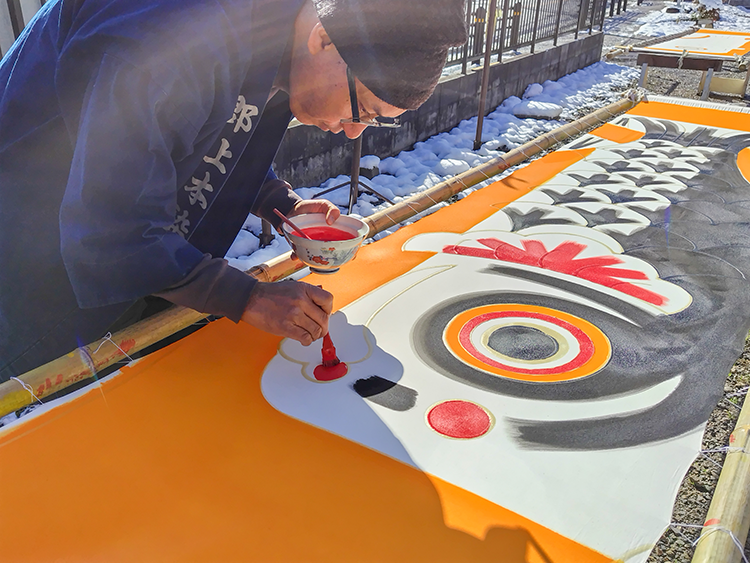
519, 23
525, 23
14, 15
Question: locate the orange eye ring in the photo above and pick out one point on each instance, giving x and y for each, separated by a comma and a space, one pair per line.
583, 349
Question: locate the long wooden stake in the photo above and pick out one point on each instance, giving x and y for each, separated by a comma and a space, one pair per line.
486, 73
84, 362
728, 517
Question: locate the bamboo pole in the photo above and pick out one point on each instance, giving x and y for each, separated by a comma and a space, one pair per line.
86, 361
728, 517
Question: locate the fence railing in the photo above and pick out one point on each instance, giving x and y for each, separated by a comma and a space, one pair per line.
14, 15
519, 23
526, 23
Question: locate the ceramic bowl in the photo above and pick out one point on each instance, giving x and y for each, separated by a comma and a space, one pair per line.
326, 257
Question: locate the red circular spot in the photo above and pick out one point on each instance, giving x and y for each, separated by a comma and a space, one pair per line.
325, 373
459, 419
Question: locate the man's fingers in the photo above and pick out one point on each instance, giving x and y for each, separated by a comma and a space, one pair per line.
332, 214
324, 206
320, 321
320, 297
292, 309
301, 335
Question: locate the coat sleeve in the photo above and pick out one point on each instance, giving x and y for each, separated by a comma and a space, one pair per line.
121, 192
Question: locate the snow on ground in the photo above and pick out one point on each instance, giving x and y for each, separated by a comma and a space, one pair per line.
447, 154
733, 18
661, 23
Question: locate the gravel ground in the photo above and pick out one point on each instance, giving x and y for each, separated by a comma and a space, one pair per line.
696, 490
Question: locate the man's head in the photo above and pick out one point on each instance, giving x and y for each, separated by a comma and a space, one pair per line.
396, 50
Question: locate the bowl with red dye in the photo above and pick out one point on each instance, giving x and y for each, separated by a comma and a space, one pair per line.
331, 245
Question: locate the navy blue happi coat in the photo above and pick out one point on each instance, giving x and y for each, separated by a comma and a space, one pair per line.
135, 136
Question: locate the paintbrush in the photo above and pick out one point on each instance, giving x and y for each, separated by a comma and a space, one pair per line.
284, 218
330, 358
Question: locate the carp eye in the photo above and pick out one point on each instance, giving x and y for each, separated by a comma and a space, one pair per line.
527, 342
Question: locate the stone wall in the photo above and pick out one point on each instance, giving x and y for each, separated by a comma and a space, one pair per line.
308, 155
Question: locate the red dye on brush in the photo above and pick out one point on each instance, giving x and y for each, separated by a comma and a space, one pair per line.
327, 233
331, 368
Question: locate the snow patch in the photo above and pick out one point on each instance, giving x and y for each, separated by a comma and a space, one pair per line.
537, 110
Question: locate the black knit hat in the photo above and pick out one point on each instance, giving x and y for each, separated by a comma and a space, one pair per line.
396, 48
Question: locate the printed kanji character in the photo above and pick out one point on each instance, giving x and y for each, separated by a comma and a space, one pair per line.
216, 161
242, 114
181, 223
196, 190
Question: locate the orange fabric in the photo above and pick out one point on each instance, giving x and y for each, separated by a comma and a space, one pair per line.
691, 114
379, 263
739, 51
616, 133
180, 458
743, 163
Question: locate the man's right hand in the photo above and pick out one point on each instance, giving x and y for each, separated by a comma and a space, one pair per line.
291, 309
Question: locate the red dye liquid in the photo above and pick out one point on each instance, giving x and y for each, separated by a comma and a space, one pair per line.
332, 368
324, 373
327, 233
459, 419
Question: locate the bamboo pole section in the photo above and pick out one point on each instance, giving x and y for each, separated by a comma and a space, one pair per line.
86, 361
728, 518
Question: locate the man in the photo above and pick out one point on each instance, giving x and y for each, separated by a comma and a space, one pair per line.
136, 136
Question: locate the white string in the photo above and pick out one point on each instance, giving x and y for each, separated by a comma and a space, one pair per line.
682, 57
28, 388
724, 449
730, 403
741, 393
108, 337
711, 529
716, 463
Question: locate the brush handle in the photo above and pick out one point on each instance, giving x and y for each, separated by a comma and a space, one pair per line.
284, 218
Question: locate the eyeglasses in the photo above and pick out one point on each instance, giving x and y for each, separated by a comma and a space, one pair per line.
378, 121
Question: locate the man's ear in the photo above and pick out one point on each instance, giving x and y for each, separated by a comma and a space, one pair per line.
318, 40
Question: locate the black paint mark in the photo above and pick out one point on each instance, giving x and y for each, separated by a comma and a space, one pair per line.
625, 196
602, 217
646, 180
523, 343
572, 196
535, 217
594, 179
631, 153
386, 393
619, 166
663, 167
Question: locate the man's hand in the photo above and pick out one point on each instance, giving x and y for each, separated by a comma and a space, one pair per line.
291, 309
316, 206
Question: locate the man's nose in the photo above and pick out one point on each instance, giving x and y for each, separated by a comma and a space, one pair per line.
353, 130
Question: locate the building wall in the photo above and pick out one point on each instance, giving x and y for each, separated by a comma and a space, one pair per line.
308, 155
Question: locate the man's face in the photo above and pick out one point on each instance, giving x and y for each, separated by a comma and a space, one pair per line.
319, 92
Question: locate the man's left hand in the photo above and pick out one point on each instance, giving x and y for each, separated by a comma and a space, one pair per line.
317, 206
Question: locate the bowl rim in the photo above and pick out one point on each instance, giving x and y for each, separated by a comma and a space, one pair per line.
361, 230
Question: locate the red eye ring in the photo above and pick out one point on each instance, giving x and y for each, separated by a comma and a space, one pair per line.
589, 348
